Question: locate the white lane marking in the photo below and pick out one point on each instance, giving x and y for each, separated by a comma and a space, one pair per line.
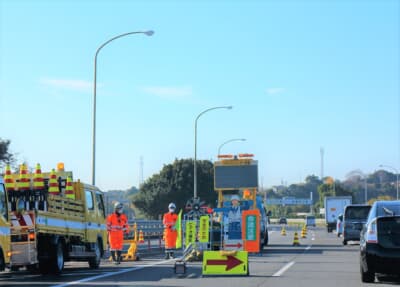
270, 232
283, 269
191, 275
308, 247
110, 274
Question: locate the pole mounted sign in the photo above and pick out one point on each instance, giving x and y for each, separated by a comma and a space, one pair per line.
289, 201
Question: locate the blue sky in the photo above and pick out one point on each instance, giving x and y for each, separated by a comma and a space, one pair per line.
300, 75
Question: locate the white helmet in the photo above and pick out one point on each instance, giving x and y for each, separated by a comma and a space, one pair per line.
235, 197
118, 205
171, 206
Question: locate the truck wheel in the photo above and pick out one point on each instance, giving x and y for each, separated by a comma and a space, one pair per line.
344, 242
94, 262
14, 268
2, 262
57, 260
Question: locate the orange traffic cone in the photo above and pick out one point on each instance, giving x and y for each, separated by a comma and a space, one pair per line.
69, 190
283, 231
24, 182
141, 237
53, 183
8, 179
296, 240
303, 234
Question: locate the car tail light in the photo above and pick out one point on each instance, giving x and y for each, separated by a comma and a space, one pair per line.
372, 232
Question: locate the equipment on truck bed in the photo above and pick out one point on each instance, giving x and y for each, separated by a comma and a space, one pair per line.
54, 219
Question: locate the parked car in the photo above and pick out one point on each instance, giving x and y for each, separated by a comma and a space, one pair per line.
282, 220
310, 220
380, 241
339, 225
354, 218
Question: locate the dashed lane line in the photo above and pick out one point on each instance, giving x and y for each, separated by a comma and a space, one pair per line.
283, 269
108, 274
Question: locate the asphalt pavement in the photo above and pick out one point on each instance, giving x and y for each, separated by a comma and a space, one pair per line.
320, 260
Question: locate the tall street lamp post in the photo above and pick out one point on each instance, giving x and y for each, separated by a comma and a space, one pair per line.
148, 33
397, 178
195, 146
228, 141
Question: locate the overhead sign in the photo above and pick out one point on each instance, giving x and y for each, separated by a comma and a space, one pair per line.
236, 176
289, 201
204, 228
216, 264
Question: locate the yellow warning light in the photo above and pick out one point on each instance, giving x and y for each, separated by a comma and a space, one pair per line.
60, 166
246, 194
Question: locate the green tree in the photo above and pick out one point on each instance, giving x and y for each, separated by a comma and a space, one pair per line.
174, 183
6, 157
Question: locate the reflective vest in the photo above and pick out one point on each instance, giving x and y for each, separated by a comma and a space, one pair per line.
171, 234
117, 224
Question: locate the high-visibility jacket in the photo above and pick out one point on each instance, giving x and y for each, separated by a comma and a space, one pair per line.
171, 234
117, 224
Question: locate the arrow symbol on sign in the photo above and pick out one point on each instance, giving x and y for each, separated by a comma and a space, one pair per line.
231, 262
238, 245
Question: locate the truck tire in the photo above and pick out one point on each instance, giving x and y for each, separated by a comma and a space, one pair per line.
2, 261
57, 258
94, 262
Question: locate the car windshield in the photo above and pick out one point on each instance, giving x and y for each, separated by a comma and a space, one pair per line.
357, 212
386, 210
3, 205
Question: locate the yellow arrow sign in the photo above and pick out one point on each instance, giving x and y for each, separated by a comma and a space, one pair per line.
234, 263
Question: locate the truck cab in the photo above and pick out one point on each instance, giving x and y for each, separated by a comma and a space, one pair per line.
4, 228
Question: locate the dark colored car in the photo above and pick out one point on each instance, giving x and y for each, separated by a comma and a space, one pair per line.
354, 219
282, 220
380, 241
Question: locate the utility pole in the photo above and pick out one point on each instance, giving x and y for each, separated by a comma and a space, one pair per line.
322, 163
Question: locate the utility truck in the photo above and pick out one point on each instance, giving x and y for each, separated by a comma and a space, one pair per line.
236, 176
5, 253
334, 206
54, 219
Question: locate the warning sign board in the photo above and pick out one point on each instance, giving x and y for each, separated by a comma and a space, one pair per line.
215, 263
190, 234
251, 230
204, 228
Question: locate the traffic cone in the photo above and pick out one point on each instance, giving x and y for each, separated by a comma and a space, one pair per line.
69, 190
141, 238
38, 181
8, 179
296, 241
53, 183
24, 182
283, 231
303, 234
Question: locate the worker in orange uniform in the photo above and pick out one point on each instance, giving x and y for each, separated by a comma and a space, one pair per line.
117, 224
169, 221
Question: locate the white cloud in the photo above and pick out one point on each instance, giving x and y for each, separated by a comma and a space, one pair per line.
275, 91
74, 85
169, 92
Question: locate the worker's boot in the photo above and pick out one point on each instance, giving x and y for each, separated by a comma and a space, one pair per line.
171, 255
119, 256
113, 256
166, 254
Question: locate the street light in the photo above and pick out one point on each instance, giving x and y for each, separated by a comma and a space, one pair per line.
148, 33
195, 146
228, 141
397, 178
